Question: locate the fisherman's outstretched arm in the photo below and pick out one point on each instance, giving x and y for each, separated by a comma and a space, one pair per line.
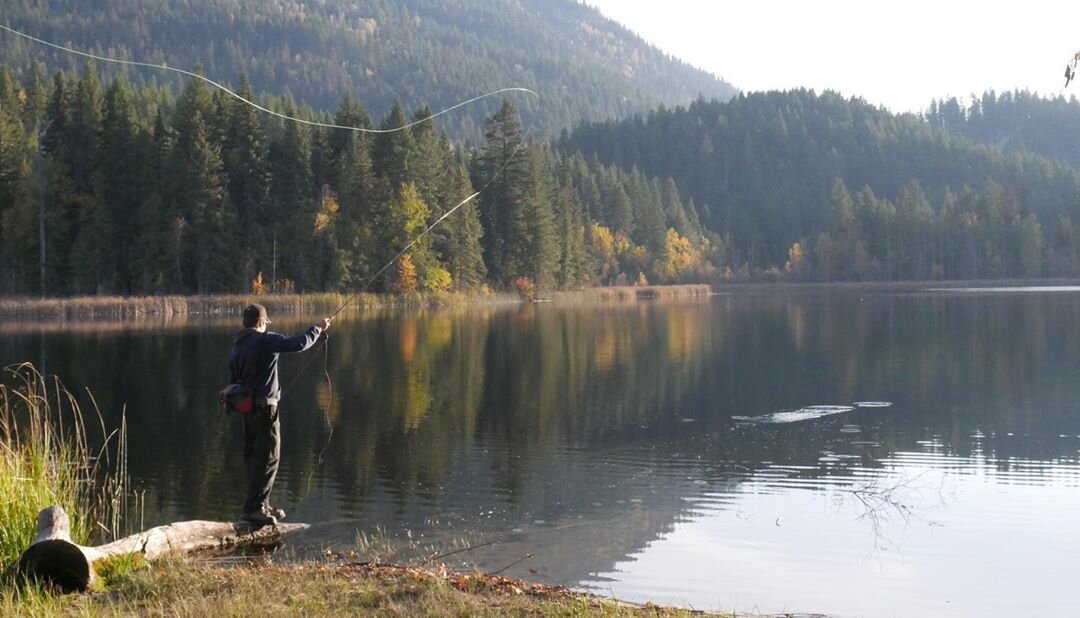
297, 343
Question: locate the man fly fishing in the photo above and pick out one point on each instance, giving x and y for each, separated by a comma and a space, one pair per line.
253, 363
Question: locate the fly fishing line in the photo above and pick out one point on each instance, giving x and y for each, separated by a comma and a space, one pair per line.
326, 125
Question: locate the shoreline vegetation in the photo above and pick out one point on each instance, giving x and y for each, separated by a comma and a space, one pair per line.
51, 453
47, 457
176, 307
168, 307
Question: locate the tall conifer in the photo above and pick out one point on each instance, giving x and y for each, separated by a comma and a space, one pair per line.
244, 158
504, 205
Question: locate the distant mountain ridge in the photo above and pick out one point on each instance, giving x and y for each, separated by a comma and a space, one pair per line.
439, 52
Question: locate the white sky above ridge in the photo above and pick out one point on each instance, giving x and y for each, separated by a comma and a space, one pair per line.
897, 54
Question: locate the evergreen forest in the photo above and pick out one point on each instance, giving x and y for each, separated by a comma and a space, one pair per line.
806, 186
109, 189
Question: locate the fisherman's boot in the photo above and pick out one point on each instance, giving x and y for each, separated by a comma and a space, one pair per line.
258, 519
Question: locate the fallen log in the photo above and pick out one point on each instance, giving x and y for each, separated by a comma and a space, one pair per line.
55, 558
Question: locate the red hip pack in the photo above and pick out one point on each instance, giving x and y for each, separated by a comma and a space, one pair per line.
237, 398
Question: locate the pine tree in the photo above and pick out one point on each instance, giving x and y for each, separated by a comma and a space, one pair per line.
83, 131
674, 212
91, 252
9, 93
426, 161
570, 230
334, 146
16, 209
214, 221
843, 231
36, 98
293, 204
1030, 246
124, 172
539, 251
362, 233
650, 229
151, 263
445, 195
56, 112
588, 192
463, 254
913, 223
504, 204
201, 224
244, 157
390, 151
617, 210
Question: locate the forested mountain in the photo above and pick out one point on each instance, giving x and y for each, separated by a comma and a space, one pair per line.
1014, 120
826, 187
105, 189
433, 52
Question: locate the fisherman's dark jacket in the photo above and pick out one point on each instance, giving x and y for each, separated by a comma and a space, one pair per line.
253, 359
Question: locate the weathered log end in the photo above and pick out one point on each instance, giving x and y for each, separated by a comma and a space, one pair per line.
55, 559
58, 563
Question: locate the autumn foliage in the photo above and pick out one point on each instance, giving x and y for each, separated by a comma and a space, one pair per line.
406, 276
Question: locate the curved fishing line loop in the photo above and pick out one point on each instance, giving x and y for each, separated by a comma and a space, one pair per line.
213, 83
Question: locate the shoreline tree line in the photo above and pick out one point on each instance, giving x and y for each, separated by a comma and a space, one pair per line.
105, 189
819, 187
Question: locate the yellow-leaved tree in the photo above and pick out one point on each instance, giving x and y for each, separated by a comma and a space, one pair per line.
602, 247
796, 261
680, 256
405, 283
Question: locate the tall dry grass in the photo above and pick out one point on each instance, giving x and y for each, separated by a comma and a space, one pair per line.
46, 458
180, 307
632, 293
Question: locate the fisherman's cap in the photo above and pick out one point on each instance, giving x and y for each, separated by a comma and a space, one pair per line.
253, 313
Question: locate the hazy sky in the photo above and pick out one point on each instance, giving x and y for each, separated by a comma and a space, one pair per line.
899, 54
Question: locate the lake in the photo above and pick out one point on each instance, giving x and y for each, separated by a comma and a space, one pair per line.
853, 453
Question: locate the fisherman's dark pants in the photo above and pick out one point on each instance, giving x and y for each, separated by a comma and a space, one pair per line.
262, 452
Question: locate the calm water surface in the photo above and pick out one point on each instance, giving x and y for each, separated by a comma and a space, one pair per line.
849, 453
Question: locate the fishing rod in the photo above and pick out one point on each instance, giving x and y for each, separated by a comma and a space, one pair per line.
371, 281
421, 236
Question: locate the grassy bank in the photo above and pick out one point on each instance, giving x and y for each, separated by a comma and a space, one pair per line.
46, 459
179, 589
